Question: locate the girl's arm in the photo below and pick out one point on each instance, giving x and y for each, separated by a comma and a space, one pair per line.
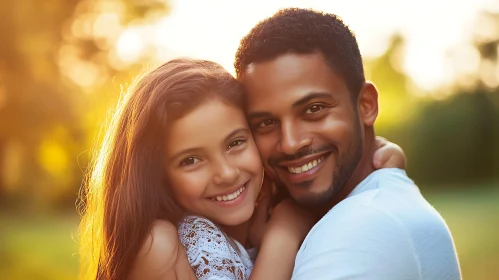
288, 226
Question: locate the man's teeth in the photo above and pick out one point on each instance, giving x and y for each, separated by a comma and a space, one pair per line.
229, 197
305, 167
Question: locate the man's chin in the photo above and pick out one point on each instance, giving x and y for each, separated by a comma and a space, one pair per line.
311, 198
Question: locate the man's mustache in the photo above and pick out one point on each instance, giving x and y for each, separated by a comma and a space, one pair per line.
305, 151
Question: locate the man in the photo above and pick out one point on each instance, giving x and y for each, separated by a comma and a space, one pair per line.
312, 114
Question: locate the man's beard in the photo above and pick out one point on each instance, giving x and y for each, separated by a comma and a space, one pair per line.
344, 168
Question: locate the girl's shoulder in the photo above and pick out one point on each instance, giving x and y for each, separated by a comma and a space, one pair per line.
211, 252
192, 221
159, 252
199, 232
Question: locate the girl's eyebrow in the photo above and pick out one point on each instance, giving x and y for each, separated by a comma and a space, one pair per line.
185, 151
226, 139
235, 132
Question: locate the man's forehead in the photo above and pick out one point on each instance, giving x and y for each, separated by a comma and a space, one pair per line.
286, 68
250, 69
284, 80
291, 59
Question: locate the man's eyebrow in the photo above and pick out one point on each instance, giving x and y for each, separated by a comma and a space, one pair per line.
303, 100
310, 96
257, 115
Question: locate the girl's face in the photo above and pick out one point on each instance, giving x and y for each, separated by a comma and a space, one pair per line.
212, 163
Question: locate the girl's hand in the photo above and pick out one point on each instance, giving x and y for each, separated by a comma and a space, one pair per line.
261, 215
290, 221
388, 155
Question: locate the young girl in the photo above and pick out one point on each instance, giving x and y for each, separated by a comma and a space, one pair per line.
178, 160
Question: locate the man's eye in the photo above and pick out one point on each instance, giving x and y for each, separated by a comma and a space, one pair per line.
314, 109
189, 161
266, 123
235, 143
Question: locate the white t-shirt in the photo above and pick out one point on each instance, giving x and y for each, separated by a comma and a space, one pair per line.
383, 230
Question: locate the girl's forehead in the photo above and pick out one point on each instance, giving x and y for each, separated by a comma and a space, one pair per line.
209, 123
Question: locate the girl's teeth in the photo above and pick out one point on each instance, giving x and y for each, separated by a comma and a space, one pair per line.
231, 196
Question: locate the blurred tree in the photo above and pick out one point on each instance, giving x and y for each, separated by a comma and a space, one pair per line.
33, 102
395, 98
41, 109
454, 140
398, 102
487, 44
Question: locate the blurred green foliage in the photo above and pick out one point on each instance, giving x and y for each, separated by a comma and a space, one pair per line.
456, 140
47, 121
447, 141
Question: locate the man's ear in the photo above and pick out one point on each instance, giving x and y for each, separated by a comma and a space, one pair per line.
367, 104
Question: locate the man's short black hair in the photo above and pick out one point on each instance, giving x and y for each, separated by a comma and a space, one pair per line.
304, 31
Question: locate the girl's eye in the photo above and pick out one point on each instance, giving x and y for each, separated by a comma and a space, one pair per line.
189, 161
266, 123
314, 109
235, 143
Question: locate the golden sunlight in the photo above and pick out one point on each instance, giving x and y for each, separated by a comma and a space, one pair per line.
212, 30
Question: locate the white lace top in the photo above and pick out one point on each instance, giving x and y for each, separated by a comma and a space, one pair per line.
210, 253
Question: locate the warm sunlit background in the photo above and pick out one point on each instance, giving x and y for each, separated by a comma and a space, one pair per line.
63, 64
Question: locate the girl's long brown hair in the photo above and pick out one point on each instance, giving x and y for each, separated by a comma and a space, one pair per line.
126, 188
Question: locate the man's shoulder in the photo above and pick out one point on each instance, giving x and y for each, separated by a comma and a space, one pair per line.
386, 196
389, 222
386, 240
377, 245
358, 217
392, 201
362, 242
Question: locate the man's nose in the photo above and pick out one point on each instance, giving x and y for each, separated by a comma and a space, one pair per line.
292, 138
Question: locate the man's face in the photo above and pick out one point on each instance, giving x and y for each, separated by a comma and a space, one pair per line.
305, 125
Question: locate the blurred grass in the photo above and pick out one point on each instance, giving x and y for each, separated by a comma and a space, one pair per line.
38, 247
43, 246
472, 214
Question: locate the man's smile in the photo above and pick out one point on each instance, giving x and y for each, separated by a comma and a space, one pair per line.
302, 169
